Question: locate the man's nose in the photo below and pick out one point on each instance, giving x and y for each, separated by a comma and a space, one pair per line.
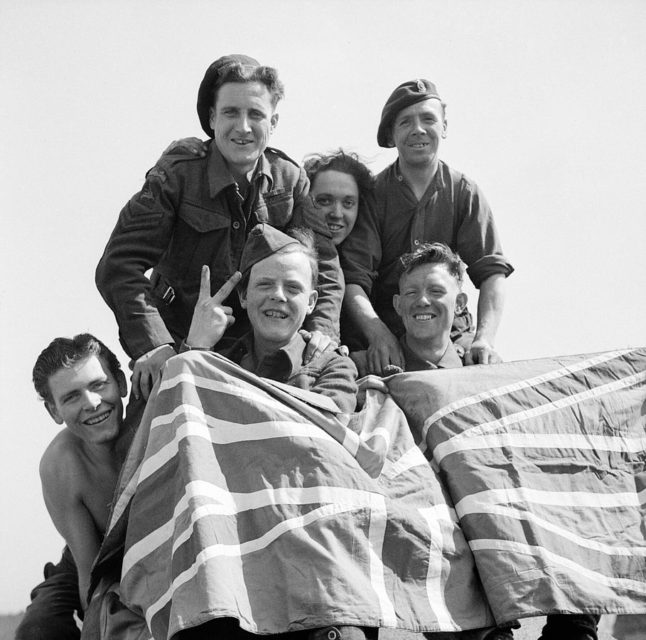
417, 126
91, 400
243, 124
278, 293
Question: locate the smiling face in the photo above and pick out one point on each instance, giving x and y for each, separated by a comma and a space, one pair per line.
87, 398
336, 196
428, 299
417, 132
242, 120
278, 298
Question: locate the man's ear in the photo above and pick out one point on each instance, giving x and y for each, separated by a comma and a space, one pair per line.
274, 121
314, 296
212, 117
243, 298
396, 304
51, 409
461, 302
122, 384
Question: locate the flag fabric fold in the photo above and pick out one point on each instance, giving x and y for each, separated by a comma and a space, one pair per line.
452, 499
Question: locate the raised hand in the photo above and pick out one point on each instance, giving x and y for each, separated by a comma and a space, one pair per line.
210, 317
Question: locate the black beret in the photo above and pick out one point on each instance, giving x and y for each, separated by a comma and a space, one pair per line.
403, 96
205, 92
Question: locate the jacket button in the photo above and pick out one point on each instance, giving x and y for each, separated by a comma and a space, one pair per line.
236, 225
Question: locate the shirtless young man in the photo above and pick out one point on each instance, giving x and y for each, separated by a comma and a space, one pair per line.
82, 385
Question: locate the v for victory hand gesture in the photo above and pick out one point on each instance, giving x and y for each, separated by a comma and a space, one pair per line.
210, 316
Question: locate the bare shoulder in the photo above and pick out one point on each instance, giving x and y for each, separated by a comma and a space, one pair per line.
61, 466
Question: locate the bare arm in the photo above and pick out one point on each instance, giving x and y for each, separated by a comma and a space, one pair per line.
61, 479
491, 302
383, 347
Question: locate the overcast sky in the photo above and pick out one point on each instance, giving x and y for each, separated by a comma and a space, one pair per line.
546, 111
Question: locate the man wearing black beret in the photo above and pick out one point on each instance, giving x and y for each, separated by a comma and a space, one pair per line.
420, 199
197, 210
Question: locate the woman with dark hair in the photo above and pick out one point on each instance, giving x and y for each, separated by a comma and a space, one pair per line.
340, 188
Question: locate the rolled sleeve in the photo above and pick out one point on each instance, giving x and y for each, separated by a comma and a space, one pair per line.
477, 240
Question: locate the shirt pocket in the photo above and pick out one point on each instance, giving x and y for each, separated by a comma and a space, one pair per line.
276, 207
201, 237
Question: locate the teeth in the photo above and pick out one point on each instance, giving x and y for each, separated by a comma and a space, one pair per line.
97, 419
276, 314
334, 227
423, 316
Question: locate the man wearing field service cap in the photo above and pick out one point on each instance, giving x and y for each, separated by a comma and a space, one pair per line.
195, 210
420, 199
277, 288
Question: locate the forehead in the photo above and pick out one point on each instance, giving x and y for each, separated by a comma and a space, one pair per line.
428, 106
429, 273
332, 181
243, 94
292, 265
78, 376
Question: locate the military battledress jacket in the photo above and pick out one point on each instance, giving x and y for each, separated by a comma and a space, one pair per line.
191, 213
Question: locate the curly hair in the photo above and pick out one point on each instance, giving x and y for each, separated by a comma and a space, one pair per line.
65, 353
344, 162
433, 253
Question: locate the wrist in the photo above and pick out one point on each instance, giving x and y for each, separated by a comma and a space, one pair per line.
187, 346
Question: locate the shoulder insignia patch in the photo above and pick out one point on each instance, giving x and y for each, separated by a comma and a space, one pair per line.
282, 154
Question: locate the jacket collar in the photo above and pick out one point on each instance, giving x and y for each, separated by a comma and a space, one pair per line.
280, 366
220, 177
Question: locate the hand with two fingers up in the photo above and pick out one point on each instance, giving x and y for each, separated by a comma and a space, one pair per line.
210, 316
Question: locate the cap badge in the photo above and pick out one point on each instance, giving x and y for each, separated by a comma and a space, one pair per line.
420, 86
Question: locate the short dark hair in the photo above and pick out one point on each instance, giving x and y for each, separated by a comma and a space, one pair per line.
65, 353
433, 253
306, 246
240, 73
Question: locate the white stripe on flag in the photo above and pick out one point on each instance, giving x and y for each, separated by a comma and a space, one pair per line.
547, 525
516, 386
547, 441
550, 557
239, 550
435, 591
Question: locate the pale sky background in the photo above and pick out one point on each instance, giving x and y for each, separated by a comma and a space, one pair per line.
546, 110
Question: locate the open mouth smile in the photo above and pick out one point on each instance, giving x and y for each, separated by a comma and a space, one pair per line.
102, 417
272, 313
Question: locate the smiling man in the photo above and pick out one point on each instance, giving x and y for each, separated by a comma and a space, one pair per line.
420, 199
197, 210
277, 288
82, 385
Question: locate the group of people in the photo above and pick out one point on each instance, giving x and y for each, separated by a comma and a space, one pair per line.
310, 275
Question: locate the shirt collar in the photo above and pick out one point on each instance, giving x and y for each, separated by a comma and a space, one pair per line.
437, 183
279, 366
450, 359
220, 177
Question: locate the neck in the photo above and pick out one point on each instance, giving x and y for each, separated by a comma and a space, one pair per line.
419, 177
262, 348
431, 350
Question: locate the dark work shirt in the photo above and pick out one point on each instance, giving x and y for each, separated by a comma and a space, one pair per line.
330, 374
191, 213
453, 210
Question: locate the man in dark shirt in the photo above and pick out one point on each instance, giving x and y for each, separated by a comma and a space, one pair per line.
429, 296
195, 211
420, 199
